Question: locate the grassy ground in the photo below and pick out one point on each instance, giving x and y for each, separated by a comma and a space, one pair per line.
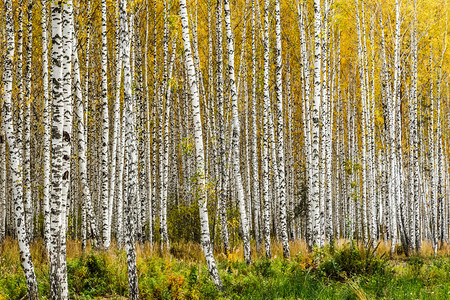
346, 272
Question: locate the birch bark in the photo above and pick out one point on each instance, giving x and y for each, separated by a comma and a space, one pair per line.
47, 128
235, 140
15, 157
265, 144
200, 154
221, 129
280, 133
131, 161
315, 118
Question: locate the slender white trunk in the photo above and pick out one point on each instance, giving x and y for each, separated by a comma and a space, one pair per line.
162, 100
415, 169
235, 140
254, 140
57, 282
67, 40
265, 144
104, 132
47, 128
165, 158
200, 153
221, 129
148, 140
15, 157
306, 121
2, 178
26, 128
113, 177
131, 161
87, 208
315, 118
280, 133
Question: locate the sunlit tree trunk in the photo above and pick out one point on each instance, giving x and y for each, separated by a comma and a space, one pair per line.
57, 216
254, 141
67, 40
362, 80
414, 169
2, 178
163, 169
221, 129
148, 137
113, 178
235, 140
16, 157
371, 144
265, 144
86, 201
315, 118
306, 121
131, 161
433, 165
46, 188
165, 158
200, 155
105, 131
26, 127
280, 133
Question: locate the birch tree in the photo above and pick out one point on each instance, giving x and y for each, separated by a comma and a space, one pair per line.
131, 161
200, 154
265, 144
315, 118
235, 139
221, 129
57, 151
47, 128
105, 132
12, 139
280, 133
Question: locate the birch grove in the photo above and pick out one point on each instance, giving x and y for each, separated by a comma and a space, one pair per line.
238, 126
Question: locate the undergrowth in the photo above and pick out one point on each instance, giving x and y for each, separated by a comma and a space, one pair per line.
342, 272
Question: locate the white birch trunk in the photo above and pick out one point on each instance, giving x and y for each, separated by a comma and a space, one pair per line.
87, 208
265, 144
280, 134
254, 141
315, 118
221, 129
200, 154
235, 140
57, 225
131, 161
16, 157
47, 128
67, 39
26, 128
105, 132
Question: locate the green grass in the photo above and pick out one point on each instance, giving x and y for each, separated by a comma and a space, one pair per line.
343, 273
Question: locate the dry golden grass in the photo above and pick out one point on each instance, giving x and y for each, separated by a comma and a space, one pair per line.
191, 252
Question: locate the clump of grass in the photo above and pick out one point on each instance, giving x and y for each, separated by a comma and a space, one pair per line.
350, 261
95, 274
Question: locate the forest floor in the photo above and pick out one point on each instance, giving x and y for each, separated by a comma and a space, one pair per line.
345, 272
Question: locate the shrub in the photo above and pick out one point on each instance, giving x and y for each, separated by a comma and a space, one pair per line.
350, 261
89, 275
12, 286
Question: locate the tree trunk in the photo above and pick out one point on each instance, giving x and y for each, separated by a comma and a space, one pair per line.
200, 155
235, 140
16, 158
131, 161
